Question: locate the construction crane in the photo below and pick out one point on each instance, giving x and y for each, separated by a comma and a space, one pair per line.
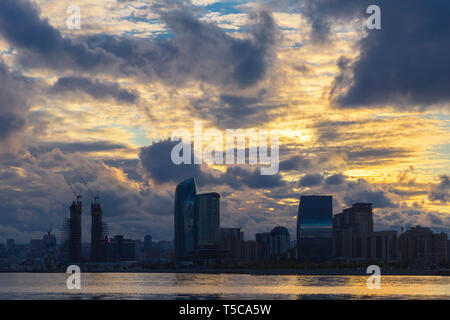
78, 196
96, 196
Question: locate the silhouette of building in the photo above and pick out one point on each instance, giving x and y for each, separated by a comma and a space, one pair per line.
279, 243
121, 249
71, 233
185, 195
314, 229
355, 240
10, 243
231, 240
99, 234
419, 247
148, 242
207, 227
263, 241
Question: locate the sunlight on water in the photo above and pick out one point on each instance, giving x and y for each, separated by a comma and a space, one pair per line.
219, 286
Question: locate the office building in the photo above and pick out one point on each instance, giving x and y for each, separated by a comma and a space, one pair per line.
185, 195
231, 240
314, 229
354, 238
279, 243
263, 241
419, 247
71, 233
121, 249
99, 234
207, 226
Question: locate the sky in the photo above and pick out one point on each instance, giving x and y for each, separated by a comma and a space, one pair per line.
364, 115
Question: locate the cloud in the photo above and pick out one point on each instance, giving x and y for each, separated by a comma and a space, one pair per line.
404, 64
40, 44
197, 51
335, 179
158, 165
295, 163
72, 147
94, 88
14, 94
311, 180
441, 192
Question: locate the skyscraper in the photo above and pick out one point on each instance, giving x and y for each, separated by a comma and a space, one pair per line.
279, 242
185, 195
207, 220
98, 234
207, 225
314, 229
72, 232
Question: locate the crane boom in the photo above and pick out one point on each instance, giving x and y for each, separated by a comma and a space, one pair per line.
77, 195
95, 197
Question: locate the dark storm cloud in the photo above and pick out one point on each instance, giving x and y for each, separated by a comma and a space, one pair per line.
238, 177
40, 44
335, 179
405, 64
311, 180
13, 102
198, 50
295, 163
362, 191
441, 192
94, 88
157, 163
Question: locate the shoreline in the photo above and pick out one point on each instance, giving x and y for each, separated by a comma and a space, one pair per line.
268, 272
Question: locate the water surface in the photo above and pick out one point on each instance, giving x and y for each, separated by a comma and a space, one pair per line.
218, 286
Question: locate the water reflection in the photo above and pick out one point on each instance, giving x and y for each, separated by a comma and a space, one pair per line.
219, 286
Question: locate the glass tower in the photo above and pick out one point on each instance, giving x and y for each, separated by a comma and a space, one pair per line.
185, 195
207, 218
315, 229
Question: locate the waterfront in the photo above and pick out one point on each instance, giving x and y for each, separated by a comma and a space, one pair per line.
50, 286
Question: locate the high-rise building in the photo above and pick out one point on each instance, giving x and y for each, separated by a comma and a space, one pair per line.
10, 243
419, 247
263, 241
71, 233
207, 220
207, 225
185, 195
279, 243
355, 240
231, 241
314, 229
121, 249
99, 234
148, 242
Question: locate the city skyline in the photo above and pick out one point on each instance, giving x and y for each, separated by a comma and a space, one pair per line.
357, 120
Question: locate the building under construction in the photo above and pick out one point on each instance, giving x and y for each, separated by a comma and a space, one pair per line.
71, 233
99, 234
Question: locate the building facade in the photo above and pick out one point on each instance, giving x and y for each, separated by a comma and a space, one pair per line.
419, 247
279, 243
71, 233
185, 195
354, 238
207, 226
314, 229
